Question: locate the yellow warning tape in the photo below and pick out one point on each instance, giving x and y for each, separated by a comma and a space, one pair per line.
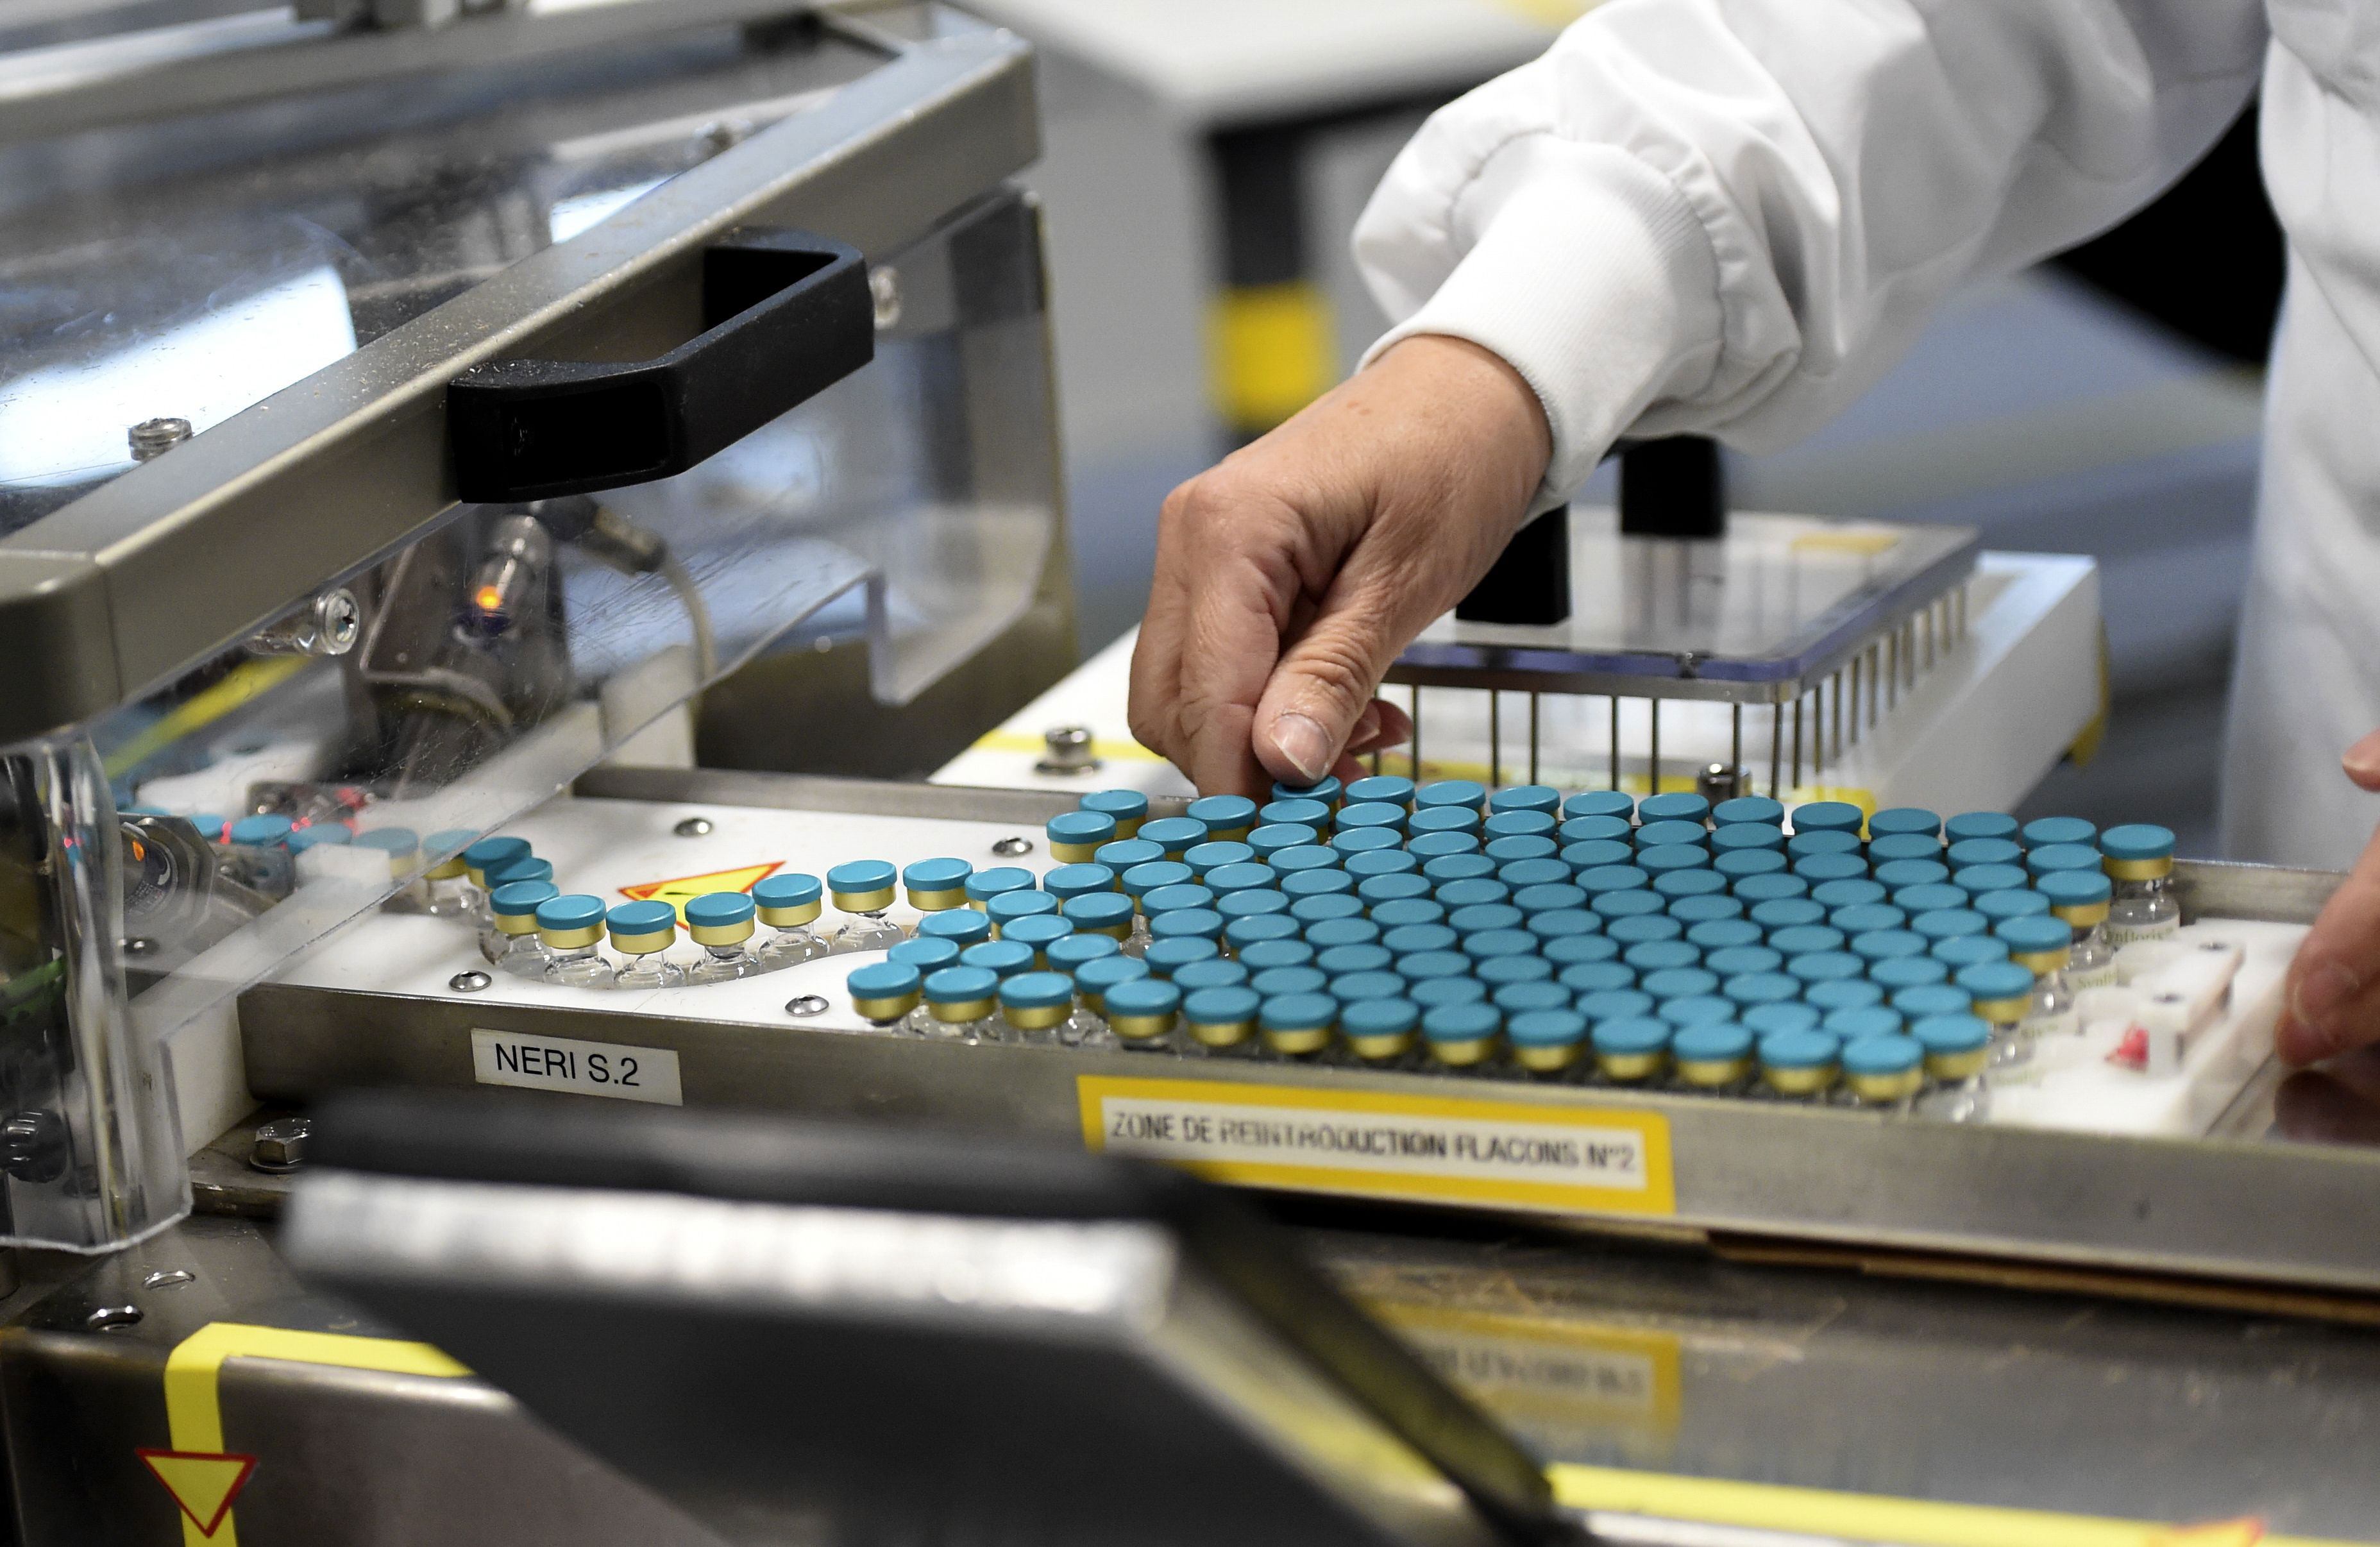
1017, 741
1270, 351
243, 684
193, 1400
1872, 1517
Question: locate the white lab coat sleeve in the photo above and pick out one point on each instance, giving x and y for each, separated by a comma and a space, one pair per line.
1729, 217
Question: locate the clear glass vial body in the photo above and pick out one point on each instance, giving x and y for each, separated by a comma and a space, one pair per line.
862, 891
2142, 910
642, 932
722, 924
788, 906
2091, 963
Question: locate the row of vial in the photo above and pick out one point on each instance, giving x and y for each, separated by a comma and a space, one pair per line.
1794, 1055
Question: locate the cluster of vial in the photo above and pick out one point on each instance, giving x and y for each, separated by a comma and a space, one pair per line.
530, 927
1889, 960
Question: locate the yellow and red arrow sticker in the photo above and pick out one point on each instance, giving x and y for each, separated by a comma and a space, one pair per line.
202, 1482
683, 889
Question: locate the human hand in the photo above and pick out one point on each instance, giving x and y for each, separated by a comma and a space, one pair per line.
1290, 574
2332, 1001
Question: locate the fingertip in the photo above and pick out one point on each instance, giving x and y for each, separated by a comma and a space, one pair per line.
2361, 762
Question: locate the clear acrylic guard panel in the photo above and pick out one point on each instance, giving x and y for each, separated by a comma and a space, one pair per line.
501, 653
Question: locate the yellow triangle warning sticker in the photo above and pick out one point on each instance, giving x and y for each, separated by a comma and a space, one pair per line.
202, 1482
683, 889
2217, 1533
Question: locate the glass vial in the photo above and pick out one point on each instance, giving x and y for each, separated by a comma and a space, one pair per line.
721, 922
788, 903
2139, 861
514, 947
884, 993
571, 928
862, 891
480, 857
446, 892
642, 931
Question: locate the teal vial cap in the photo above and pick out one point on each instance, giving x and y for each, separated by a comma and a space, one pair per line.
861, 875
2034, 933
1385, 788
1526, 798
1460, 1023
1599, 802
2137, 840
1222, 814
1797, 1050
1165, 957
1037, 932
1139, 997
1631, 1036
1220, 1007
715, 909
960, 985
1354, 844
265, 832
1214, 854
1548, 1027
479, 856
933, 875
1946, 1034
1905, 820
1010, 907
1101, 974
1969, 950
323, 834
1932, 999
2014, 902
1217, 973
1827, 816
1385, 1017
1784, 1015
1466, 794
884, 979
445, 842
1867, 1020
1071, 952
525, 868
1125, 853
1302, 814
1075, 880
1119, 805
793, 889
2043, 831
521, 897
1298, 1012
2050, 859
1326, 789
1098, 910
633, 918
1676, 806
924, 953
2075, 888
1970, 852
1001, 957
1980, 825
1080, 828
1173, 834
984, 885
1141, 879
1034, 991
1748, 808
1428, 820
1994, 980
575, 911
1169, 899
1882, 1055
1713, 1042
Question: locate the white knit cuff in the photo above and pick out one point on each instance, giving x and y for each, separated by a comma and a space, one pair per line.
1587, 272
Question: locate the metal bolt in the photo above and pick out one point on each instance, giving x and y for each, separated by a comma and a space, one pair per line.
468, 983
1066, 749
884, 290
1719, 782
113, 1317
136, 945
1012, 846
807, 1004
693, 827
280, 1145
329, 625
169, 1278
722, 134
154, 437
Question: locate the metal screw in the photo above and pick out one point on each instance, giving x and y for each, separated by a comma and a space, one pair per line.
884, 290
807, 1004
329, 625
693, 827
154, 437
722, 134
468, 983
280, 1145
1066, 749
1719, 782
1012, 846
137, 945
113, 1317
169, 1278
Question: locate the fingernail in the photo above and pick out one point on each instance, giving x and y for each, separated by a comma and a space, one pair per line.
1305, 743
2362, 761
2317, 997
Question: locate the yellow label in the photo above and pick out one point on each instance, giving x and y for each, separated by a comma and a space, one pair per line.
1544, 1371
1438, 1149
683, 889
1812, 1512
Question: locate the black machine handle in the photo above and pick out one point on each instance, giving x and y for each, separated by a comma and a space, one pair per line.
785, 314
1672, 487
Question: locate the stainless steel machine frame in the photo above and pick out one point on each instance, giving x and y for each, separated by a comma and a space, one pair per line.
252, 530
2229, 1206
